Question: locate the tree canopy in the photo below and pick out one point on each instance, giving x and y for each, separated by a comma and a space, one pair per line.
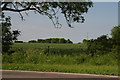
72, 11
7, 36
115, 32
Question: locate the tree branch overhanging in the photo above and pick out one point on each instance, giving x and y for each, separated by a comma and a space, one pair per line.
72, 11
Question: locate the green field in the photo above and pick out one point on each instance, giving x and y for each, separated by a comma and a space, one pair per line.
59, 58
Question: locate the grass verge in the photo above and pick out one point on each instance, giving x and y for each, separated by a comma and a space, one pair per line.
82, 68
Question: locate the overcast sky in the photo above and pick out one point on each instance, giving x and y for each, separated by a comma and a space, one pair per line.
99, 20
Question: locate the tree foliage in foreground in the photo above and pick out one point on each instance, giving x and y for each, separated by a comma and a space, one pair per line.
115, 32
72, 11
104, 44
8, 36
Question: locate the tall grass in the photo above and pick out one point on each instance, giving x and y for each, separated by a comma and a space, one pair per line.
39, 56
59, 58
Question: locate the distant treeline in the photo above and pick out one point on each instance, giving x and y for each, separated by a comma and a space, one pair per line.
19, 42
50, 40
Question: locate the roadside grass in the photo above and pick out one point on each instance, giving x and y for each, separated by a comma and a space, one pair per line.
69, 58
82, 68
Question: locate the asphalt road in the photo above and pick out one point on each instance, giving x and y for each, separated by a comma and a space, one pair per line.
24, 75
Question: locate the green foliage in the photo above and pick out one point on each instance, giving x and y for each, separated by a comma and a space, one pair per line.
36, 53
8, 36
84, 68
62, 40
69, 41
58, 49
34, 56
19, 42
115, 32
32, 41
101, 45
51, 40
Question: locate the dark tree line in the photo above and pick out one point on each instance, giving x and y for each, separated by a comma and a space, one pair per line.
51, 40
18, 41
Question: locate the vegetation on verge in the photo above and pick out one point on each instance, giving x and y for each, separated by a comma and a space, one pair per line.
84, 68
98, 56
59, 58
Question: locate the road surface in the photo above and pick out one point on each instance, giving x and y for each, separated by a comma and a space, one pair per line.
24, 75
